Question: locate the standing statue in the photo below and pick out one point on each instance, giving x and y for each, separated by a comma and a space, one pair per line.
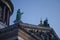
18, 16
46, 23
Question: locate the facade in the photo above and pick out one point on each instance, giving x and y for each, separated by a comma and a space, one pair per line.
20, 30
6, 10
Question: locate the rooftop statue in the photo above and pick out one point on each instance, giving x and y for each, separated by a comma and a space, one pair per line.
18, 16
46, 23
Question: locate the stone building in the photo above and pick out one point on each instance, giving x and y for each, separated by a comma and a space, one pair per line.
20, 30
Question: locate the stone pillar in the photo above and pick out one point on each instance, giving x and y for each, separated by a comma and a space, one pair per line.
47, 37
42, 37
7, 21
0, 13
4, 14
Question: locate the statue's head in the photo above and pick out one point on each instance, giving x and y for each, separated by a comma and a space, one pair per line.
18, 11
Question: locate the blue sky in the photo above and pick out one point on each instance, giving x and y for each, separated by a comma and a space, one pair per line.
35, 10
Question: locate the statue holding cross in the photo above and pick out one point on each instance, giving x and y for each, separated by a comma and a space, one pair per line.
18, 16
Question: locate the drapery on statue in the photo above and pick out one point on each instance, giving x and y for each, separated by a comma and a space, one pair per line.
18, 16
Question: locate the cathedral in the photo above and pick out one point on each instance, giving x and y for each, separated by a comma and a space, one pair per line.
20, 30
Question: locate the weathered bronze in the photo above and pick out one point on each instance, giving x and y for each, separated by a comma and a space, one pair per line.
19, 14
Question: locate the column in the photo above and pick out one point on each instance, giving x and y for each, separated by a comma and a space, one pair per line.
0, 13
4, 13
7, 21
